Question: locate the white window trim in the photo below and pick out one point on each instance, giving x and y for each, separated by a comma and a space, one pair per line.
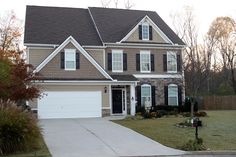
150, 87
171, 53
70, 50
177, 97
145, 52
117, 52
145, 24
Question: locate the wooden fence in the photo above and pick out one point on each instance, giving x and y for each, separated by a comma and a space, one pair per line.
218, 103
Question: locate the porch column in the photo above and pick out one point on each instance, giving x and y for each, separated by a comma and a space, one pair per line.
132, 99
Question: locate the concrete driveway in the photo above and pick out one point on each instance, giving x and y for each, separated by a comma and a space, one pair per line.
98, 137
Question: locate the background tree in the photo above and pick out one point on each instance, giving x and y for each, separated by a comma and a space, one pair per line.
223, 32
10, 32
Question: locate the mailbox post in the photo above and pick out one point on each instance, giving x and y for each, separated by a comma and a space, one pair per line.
196, 123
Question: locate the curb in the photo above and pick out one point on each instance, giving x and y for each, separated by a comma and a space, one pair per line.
211, 153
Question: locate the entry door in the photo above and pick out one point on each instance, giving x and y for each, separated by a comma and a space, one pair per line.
117, 101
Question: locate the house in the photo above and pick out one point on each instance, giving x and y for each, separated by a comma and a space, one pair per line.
100, 61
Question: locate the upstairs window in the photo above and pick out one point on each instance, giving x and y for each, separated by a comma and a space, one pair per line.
173, 95
145, 61
145, 31
117, 61
171, 62
70, 59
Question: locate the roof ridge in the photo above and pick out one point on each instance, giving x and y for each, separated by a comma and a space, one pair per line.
43, 6
124, 9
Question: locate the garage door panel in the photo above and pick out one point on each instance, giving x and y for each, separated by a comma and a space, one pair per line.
70, 105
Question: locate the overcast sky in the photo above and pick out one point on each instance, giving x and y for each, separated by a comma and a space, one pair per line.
204, 10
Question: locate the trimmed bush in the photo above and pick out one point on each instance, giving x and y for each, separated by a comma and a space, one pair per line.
200, 114
18, 130
165, 108
187, 105
140, 109
193, 145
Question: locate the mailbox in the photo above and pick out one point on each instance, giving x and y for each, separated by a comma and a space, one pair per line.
197, 122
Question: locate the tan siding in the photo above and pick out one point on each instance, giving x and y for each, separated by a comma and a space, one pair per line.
131, 60
86, 71
155, 37
105, 96
37, 56
97, 55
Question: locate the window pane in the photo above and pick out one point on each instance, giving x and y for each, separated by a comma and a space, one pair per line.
145, 62
172, 101
172, 62
70, 64
145, 31
146, 91
70, 56
117, 61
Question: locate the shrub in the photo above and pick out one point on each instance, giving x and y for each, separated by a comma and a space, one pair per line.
18, 130
162, 113
140, 109
164, 107
186, 114
187, 105
193, 145
147, 115
200, 114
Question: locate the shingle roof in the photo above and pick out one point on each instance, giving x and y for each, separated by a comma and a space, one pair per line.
114, 24
52, 25
124, 77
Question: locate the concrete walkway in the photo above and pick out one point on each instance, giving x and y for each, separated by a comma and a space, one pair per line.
97, 137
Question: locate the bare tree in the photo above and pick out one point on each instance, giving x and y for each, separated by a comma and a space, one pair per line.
128, 4
116, 3
105, 3
223, 32
10, 32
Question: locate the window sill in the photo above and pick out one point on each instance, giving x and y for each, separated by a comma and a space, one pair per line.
145, 71
70, 69
117, 71
172, 72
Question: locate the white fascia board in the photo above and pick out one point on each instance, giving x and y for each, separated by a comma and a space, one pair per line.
78, 46
158, 76
74, 82
40, 45
156, 28
142, 45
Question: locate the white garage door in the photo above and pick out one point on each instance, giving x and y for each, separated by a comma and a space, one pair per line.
70, 105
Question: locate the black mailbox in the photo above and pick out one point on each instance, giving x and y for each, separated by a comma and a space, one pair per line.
197, 122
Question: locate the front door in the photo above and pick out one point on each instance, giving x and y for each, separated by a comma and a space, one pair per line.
117, 101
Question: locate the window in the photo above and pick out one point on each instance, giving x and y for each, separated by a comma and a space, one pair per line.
173, 95
145, 31
145, 61
117, 61
70, 59
146, 95
171, 62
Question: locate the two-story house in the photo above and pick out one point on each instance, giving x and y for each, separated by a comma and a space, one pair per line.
100, 61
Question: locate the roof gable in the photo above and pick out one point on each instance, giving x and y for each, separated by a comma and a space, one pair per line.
154, 26
71, 40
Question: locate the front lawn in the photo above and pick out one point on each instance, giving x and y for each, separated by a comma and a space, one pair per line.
218, 132
42, 152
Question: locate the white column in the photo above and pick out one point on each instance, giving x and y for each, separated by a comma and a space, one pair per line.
132, 99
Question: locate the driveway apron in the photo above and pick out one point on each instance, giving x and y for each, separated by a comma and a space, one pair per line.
98, 137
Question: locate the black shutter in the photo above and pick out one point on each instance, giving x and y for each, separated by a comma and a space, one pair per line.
140, 32
109, 56
62, 60
152, 62
180, 95
166, 94
164, 62
137, 62
125, 61
179, 63
153, 96
150, 32
77, 60
138, 91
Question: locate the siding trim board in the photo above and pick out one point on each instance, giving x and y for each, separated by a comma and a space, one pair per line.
160, 76
70, 39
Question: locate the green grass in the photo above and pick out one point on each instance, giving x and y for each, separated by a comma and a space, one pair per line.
218, 132
41, 152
